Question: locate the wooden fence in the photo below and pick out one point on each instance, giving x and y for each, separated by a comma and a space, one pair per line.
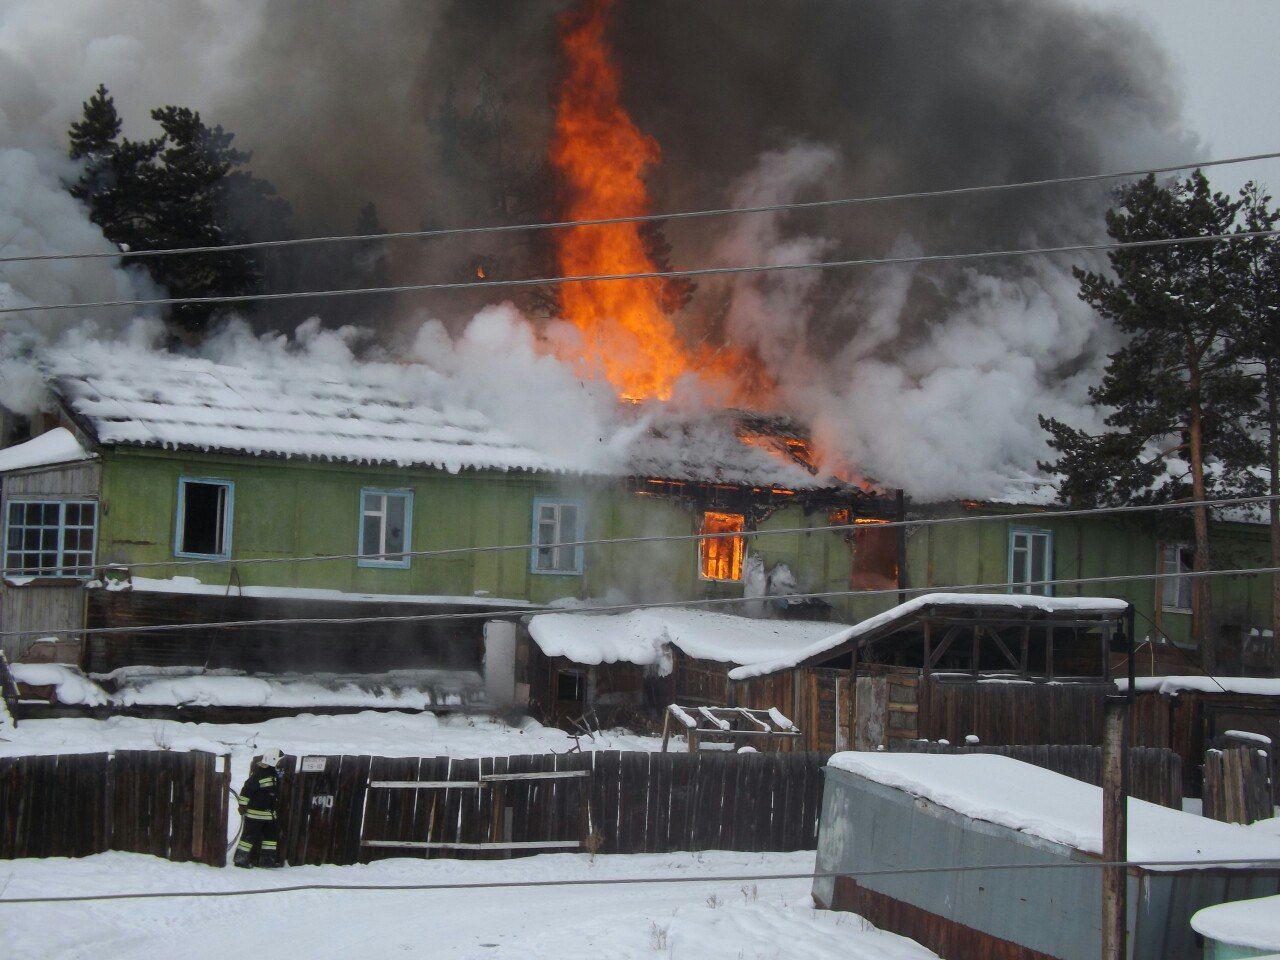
169, 804
352, 809
1237, 785
1155, 773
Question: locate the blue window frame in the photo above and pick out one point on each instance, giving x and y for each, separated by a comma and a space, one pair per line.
50, 538
202, 527
1030, 560
557, 521
386, 524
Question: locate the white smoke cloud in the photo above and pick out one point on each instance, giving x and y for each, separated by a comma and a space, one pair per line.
941, 402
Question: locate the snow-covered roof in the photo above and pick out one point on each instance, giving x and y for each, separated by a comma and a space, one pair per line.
58, 445
1054, 807
404, 414
1020, 603
352, 412
644, 637
1254, 686
1252, 924
193, 586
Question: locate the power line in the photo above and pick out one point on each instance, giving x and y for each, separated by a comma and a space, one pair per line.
662, 538
644, 218
531, 610
658, 274
629, 881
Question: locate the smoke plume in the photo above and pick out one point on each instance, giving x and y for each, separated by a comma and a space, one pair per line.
929, 379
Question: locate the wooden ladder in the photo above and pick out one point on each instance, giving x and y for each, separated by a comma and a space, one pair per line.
8, 688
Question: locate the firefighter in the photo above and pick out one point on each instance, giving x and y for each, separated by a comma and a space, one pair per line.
258, 800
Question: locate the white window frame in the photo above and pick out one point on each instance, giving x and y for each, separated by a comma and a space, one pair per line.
1028, 535
1171, 587
61, 571
228, 514
374, 550
557, 504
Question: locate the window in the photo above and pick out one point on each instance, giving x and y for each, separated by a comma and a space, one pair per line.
556, 522
1175, 591
1030, 560
204, 518
875, 555
50, 538
385, 519
720, 558
570, 685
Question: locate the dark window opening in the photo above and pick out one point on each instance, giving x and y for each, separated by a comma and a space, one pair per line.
875, 556
570, 686
204, 518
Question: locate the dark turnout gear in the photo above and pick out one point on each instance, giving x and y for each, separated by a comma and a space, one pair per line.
259, 798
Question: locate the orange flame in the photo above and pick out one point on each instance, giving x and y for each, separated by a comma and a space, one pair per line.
601, 157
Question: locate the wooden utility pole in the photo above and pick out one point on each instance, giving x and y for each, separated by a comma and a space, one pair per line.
1115, 817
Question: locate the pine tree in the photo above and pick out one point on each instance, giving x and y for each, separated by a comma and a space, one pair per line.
1177, 400
1258, 341
187, 187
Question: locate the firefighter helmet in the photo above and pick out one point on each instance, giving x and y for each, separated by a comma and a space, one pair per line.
272, 757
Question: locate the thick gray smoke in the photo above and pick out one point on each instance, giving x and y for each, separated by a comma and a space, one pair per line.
928, 379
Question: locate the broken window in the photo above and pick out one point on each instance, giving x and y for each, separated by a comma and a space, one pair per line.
204, 518
875, 555
50, 538
1175, 589
720, 558
1030, 561
557, 522
385, 516
570, 685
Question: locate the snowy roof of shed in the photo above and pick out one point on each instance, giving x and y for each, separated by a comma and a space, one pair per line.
644, 637
375, 412
1054, 807
905, 613
58, 445
1252, 924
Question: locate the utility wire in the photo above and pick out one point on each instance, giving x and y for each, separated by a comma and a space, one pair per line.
531, 609
659, 274
623, 881
710, 535
644, 218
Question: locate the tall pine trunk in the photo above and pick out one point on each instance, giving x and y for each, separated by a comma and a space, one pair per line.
1273, 488
1201, 602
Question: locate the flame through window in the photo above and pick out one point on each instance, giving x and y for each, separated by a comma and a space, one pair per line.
720, 558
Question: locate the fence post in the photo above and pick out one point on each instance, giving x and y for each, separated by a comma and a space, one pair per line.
1115, 815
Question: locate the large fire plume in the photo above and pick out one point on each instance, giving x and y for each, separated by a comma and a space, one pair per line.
601, 157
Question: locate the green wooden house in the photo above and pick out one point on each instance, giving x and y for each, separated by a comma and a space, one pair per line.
170, 490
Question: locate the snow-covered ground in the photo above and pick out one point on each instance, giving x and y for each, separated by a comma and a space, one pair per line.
732, 919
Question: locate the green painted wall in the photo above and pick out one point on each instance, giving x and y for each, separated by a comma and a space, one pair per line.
299, 508
1100, 547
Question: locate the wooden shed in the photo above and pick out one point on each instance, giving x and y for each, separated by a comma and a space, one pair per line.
1005, 668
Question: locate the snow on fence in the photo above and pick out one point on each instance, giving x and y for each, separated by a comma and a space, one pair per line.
1155, 773
169, 804
1237, 784
354, 809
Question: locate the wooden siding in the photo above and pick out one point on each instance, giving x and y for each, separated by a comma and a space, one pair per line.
46, 608
330, 648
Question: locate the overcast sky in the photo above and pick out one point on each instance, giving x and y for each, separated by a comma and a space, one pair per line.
1226, 53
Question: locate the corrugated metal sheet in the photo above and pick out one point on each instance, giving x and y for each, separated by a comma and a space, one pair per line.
999, 913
